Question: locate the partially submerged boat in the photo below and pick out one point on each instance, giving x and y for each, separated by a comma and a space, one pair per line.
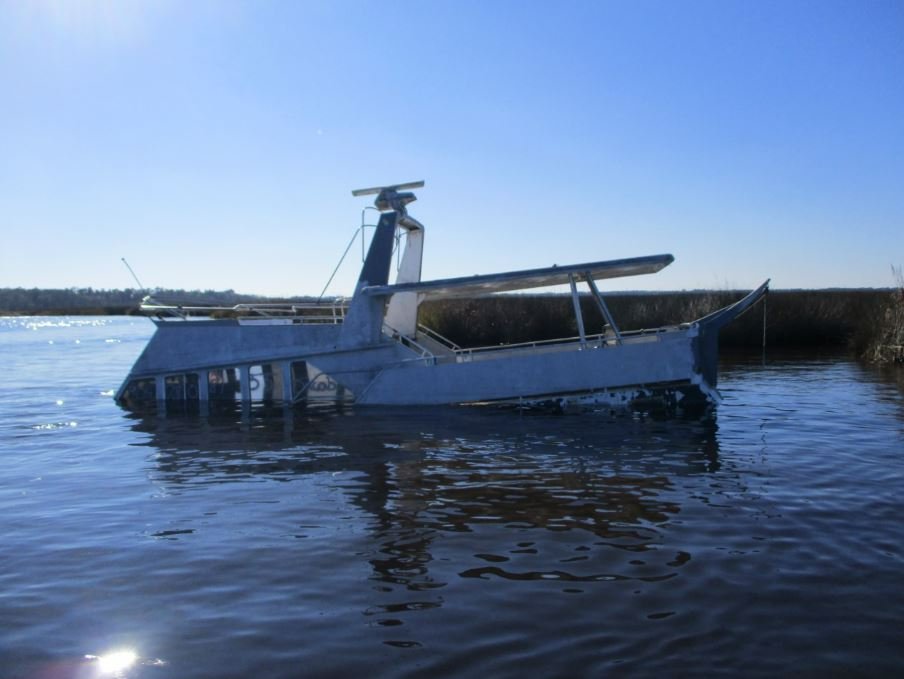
373, 351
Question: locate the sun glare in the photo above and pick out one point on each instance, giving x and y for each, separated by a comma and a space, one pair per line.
117, 661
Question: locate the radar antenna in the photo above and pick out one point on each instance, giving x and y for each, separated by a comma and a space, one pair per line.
389, 197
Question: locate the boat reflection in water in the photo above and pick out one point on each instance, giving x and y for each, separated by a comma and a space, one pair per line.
472, 493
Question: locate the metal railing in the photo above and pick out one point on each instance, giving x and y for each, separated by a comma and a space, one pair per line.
406, 341
332, 312
432, 334
561, 344
459, 354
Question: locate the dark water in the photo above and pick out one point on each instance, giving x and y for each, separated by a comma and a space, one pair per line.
444, 542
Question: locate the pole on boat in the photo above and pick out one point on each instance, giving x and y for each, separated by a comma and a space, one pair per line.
140, 286
604, 309
577, 309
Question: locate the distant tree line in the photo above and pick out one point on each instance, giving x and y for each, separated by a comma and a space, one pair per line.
90, 301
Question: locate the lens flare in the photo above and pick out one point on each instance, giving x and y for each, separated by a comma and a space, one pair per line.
117, 661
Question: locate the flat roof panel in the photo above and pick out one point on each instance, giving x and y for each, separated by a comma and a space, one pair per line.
468, 286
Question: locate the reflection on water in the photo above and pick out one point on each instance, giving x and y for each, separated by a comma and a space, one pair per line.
601, 486
277, 442
445, 542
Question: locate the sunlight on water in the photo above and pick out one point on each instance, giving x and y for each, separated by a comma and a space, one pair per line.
115, 662
55, 425
43, 322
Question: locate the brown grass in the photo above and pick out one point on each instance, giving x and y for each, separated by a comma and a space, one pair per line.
800, 319
887, 344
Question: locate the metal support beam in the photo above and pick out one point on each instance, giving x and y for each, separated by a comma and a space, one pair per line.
245, 383
286, 369
577, 310
204, 393
160, 388
203, 386
603, 308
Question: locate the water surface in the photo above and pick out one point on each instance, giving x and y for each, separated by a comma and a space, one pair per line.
445, 541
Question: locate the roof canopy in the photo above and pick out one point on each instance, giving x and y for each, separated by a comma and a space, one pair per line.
469, 286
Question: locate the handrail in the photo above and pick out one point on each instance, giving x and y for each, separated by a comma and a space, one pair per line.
432, 334
406, 341
334, 311
602, 338
587, 339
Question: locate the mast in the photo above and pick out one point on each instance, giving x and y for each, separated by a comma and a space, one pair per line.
364, 322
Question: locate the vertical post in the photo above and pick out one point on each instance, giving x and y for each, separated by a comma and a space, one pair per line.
160, 387
245, 382
203, 386
577, 309
286, 369
603, 308
203, 393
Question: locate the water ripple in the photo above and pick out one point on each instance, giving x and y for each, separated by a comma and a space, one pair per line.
448, 542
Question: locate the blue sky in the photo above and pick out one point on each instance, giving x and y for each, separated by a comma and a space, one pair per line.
215, 144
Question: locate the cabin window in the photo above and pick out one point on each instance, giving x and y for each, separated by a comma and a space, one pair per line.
299, 379
311, 385
265, 382
256, 382
140, 392
191, 387
181, 387
276, 381
224, 384
174, 386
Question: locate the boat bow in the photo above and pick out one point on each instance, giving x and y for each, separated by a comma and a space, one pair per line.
706, 343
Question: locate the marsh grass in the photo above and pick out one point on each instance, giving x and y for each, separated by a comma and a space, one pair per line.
887, 344
795, 319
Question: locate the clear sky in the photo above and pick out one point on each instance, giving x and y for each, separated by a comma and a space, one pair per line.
215, 144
